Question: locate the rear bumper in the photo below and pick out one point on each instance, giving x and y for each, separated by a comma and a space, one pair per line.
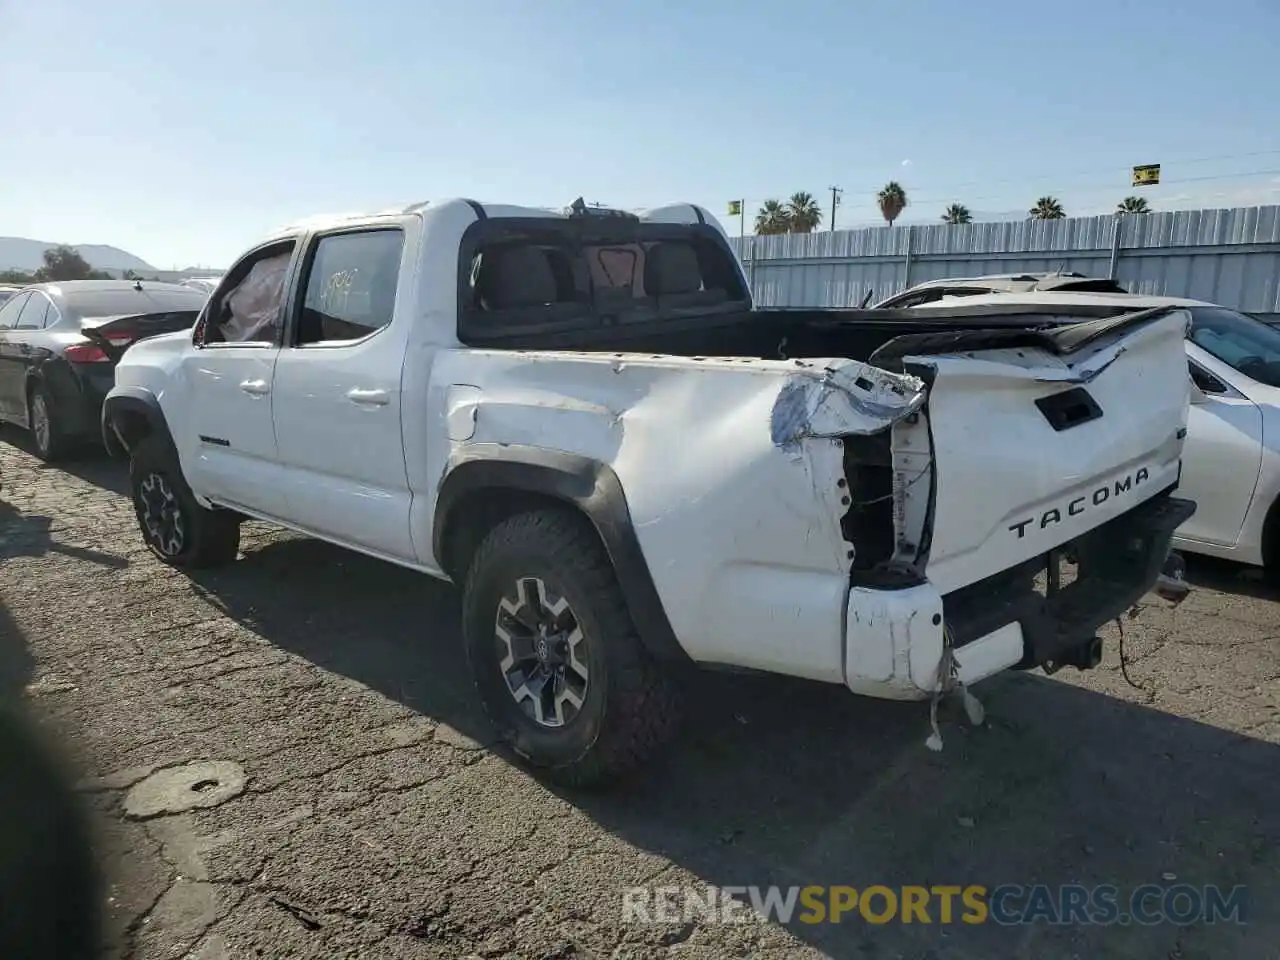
1029, 616
77, 392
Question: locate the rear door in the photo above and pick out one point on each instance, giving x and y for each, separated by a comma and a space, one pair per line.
1032, 449
226, 435
337, 396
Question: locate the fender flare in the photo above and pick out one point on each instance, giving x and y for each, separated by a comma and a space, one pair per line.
588, 485
123, 403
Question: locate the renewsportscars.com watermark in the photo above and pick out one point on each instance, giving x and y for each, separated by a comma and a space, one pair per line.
972, 904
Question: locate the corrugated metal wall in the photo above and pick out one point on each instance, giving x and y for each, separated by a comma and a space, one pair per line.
1230, 257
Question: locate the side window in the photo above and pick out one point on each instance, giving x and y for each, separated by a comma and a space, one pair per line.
9, 312
1205, 380
32, 317
351, 283
248, 307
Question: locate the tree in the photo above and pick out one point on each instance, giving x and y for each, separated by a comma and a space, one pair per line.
957, 213
16, 277
803, 213
63, 263
1133, 205
1047, 208
772, 218
892, 200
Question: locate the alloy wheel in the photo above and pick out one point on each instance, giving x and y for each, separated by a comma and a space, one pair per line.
41, 428
542, 657
162, 514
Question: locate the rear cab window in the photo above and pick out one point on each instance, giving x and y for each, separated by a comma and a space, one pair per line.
537, 276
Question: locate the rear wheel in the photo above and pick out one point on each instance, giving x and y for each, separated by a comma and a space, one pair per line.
555, 657
174, 526
48, 438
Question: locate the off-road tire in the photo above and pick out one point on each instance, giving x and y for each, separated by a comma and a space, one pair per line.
206, 538
50, 444
630, 707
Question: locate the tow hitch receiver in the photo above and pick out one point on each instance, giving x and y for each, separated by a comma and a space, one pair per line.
1172, 585
1086, 656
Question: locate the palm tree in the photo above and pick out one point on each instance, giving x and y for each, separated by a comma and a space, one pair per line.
1133, 205
803, 213
892, 201
957, 213
772, 218
1047, 208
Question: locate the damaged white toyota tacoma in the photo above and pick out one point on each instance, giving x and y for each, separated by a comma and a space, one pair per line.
579, 418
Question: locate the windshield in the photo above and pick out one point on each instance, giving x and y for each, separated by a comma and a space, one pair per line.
1243, 343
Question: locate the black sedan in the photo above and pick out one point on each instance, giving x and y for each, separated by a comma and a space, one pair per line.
59, 344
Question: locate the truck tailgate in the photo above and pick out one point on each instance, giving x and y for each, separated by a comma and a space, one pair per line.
1033, 447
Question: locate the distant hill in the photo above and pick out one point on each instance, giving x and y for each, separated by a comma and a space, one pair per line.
18, 253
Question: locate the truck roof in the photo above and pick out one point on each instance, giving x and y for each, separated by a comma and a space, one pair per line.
670, 213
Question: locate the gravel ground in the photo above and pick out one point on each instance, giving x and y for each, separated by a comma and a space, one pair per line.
345, 798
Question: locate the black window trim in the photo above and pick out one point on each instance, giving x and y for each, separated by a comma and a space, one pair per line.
260, 252
297, 297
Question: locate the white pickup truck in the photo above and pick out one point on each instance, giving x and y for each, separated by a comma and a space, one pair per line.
579, 419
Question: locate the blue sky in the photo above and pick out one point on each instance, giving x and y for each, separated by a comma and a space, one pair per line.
182, 132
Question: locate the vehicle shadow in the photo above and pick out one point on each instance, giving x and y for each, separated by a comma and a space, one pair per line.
17, 666
1225, 576
30, 535
87, 461
797, 784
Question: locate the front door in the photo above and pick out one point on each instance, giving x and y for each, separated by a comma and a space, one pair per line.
337, 394
227, 441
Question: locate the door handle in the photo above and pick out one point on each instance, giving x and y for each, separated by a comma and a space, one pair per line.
256, 388
372, 398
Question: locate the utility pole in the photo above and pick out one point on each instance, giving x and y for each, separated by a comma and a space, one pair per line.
835, 202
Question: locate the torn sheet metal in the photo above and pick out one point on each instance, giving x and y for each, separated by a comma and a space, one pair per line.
835, 398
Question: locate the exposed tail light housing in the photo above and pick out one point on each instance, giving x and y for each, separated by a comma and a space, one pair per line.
86, 353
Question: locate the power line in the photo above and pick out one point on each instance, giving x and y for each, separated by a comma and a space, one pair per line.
1094, 188
1100, 171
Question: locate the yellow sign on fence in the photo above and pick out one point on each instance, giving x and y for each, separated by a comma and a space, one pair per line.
1146, 175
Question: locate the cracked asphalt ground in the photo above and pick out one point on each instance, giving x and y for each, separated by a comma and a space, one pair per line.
347, 802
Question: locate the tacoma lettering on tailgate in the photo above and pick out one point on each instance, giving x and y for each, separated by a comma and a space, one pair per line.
1083, 503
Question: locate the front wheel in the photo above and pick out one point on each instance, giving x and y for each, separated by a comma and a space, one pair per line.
554, 654
176, 529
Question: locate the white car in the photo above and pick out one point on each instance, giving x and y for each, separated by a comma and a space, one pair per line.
1231, 460
203, 284
579, 418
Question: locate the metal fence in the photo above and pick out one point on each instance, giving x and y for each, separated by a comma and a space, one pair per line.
1231, 257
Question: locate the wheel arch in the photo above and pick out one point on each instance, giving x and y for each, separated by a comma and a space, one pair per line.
128, 415
485, 484
1271, 534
